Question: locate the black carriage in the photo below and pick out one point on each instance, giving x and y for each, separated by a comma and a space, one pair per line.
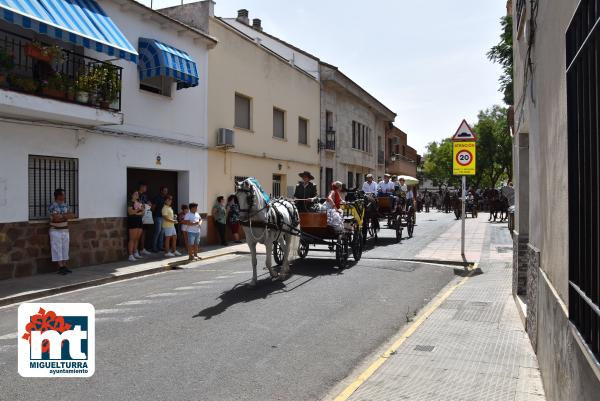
398, 217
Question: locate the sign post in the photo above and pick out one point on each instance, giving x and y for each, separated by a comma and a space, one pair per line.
464, 153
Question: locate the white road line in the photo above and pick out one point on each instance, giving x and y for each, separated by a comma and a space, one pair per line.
185, 288
124, 319
205, 282
7, 347
108, 311
242, 272
219, 277
10, 336
162, 294
136, 302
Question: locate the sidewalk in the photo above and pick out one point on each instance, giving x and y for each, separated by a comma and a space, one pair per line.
26, 288
467, 344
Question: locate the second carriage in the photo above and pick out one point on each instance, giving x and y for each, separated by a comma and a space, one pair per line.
398, 214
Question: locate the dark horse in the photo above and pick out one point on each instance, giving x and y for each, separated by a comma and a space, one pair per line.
498, 204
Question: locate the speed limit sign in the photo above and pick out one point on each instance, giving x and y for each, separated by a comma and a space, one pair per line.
464, 158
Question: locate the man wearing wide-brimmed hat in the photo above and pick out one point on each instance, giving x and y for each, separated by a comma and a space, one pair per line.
305, 192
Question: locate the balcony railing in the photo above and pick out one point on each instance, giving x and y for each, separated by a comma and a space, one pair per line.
50, 71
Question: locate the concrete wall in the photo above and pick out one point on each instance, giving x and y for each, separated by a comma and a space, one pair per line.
568, 368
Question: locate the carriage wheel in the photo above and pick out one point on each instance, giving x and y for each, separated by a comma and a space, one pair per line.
398, 228
277, 253
341, 252
302, 249
357, 244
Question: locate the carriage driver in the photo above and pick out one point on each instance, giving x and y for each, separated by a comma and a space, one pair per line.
369, 186
306, 192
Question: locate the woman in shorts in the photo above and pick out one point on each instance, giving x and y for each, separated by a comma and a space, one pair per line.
135, 211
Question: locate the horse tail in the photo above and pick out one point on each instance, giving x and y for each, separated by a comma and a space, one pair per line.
294, 244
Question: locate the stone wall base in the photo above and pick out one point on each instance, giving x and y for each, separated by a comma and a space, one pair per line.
532, 294
25, 246
520, 263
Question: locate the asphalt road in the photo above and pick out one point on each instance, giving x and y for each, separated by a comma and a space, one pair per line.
200, 334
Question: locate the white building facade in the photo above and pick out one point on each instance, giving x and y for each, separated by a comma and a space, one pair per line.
146, 122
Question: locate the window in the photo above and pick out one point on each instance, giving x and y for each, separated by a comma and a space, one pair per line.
358, 179
278, 123
236, 179
350, 179
361, 137
160, 85
328, 179
47, 174
303, 131
583, 112
242, 111
276, 186
328, 120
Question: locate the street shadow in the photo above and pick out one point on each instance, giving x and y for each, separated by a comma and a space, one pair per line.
301, 273
241, 293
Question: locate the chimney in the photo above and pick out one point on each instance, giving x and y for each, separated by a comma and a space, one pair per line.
256, 24
243, 16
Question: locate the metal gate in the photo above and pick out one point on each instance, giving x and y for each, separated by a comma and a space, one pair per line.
276, 186
583, 108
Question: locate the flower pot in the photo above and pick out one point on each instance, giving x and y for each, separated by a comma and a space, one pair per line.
55, 93
104, 104
82, 97
35, 52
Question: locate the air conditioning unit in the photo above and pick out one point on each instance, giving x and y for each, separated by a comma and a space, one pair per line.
396, 140
225, 138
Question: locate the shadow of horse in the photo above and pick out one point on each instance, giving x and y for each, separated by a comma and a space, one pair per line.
303, 271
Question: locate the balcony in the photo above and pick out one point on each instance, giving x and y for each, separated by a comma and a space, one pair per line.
81, 89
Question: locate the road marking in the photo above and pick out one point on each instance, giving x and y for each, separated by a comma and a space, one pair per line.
136, 302
162, 294
205, 282
185, 288
10, 336
220, 277
124, 319
241, 272
107, 311
7, 347
364, 376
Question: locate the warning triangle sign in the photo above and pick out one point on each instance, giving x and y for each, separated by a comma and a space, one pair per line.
464, 133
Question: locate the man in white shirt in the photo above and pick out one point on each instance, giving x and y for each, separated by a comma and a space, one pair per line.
386, 188
369, 186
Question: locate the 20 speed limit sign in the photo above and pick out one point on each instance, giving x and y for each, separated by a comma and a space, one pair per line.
464, 158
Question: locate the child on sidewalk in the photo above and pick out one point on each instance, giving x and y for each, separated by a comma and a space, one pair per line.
193, 223
182, 227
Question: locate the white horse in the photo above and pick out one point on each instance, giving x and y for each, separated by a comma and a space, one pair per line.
268, 221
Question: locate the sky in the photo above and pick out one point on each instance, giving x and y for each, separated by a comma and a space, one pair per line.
424, 59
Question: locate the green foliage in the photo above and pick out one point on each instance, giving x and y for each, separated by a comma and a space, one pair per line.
494, 153
25, 84
502, 54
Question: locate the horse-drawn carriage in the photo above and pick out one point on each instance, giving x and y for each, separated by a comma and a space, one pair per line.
314, 230
398, 216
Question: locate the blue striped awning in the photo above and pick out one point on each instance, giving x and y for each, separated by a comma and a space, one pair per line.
81, 22
159, 59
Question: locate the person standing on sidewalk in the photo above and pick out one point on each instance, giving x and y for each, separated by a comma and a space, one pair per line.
159, 202
233, 217
220, 215
168, 224
183, 228
146, 220
135, 211
59, 230
193, 222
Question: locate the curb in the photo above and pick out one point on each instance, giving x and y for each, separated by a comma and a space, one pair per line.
111, 279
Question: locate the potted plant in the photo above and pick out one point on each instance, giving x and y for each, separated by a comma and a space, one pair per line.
54, 86
6, 65
25, 84
83, 86
43, 53
109, 84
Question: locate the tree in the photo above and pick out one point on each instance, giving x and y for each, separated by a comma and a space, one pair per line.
438, 163
502, 54
494, 147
